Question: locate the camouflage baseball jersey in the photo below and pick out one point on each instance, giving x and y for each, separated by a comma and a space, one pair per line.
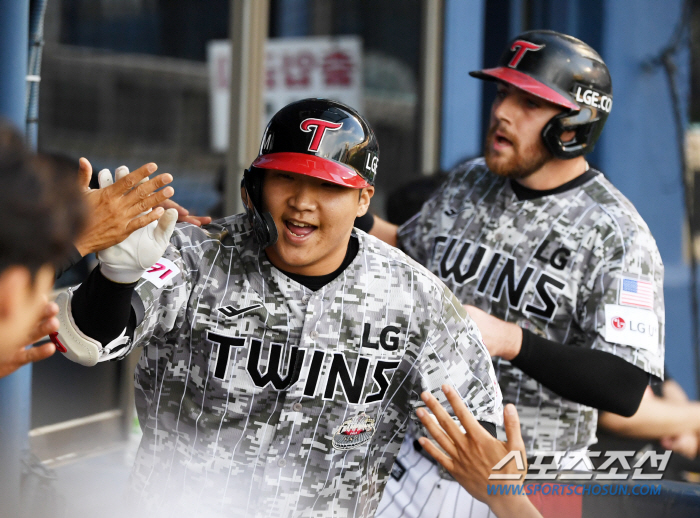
259, 397
579, 267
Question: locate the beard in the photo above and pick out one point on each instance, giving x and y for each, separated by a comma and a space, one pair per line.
523, 161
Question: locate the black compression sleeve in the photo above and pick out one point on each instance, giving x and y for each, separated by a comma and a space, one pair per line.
102, 308
587, 376
68, 262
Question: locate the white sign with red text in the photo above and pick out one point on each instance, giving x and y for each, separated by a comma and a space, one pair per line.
295, 68
631, 326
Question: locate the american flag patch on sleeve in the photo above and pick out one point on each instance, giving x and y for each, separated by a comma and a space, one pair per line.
638, 293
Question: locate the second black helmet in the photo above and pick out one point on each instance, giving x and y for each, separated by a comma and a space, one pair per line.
565, 71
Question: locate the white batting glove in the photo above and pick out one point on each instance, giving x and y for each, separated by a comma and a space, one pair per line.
127, 261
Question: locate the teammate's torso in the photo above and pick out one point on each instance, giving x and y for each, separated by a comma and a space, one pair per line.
535, 262
281, 398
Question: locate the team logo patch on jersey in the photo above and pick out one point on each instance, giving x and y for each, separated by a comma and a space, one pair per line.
354, 432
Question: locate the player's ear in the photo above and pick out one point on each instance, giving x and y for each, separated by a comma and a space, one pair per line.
366, 194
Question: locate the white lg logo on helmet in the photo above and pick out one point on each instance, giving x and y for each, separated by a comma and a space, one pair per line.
592, 98
371, 163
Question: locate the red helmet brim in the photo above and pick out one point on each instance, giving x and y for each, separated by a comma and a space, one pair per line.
528, 84
311, 165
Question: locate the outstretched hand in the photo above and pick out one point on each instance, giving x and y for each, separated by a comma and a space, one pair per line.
184, 216
120, 207
471, 456
48, 323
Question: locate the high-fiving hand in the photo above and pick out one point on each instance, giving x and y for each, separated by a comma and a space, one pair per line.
48, 323
120, 207
471, 456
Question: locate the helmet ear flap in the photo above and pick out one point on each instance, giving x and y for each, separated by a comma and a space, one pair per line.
582, 123
263, 225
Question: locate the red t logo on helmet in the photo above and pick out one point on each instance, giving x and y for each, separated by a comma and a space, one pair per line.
522, 46
319, 130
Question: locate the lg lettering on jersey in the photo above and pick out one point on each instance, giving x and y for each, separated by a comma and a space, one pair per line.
319, 128
558, 258
522, 46
592, 98
618, 323
283, 375
486, 266
634, 326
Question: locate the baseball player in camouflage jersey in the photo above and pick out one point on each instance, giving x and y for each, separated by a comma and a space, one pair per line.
561, 274
284, 352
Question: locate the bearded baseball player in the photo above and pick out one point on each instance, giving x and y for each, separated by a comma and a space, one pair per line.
559, 271
284, 352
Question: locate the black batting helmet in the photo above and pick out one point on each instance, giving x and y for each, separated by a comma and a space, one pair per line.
564, 71
314, 137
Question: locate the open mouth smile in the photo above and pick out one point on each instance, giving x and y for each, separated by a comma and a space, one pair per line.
299, 229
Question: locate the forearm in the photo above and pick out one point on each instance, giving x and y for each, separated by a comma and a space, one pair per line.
587, 376
656, 418
387, 232
101, 308
68, 262
513, 507
672, 391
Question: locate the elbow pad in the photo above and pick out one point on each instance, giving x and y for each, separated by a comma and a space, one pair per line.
77, 346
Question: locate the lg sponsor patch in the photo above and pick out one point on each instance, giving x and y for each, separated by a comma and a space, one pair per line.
631, 326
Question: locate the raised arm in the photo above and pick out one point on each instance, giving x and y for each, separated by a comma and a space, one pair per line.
92, 317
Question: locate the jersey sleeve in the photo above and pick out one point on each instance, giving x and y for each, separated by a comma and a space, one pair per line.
454, 354
164, 291
621, 305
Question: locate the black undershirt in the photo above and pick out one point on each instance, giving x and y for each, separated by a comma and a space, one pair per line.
316, 282
525, 193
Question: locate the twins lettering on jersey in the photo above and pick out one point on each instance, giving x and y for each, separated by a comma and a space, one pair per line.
450, 255
282, 375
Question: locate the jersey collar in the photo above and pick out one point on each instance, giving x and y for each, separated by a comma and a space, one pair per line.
525, 193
